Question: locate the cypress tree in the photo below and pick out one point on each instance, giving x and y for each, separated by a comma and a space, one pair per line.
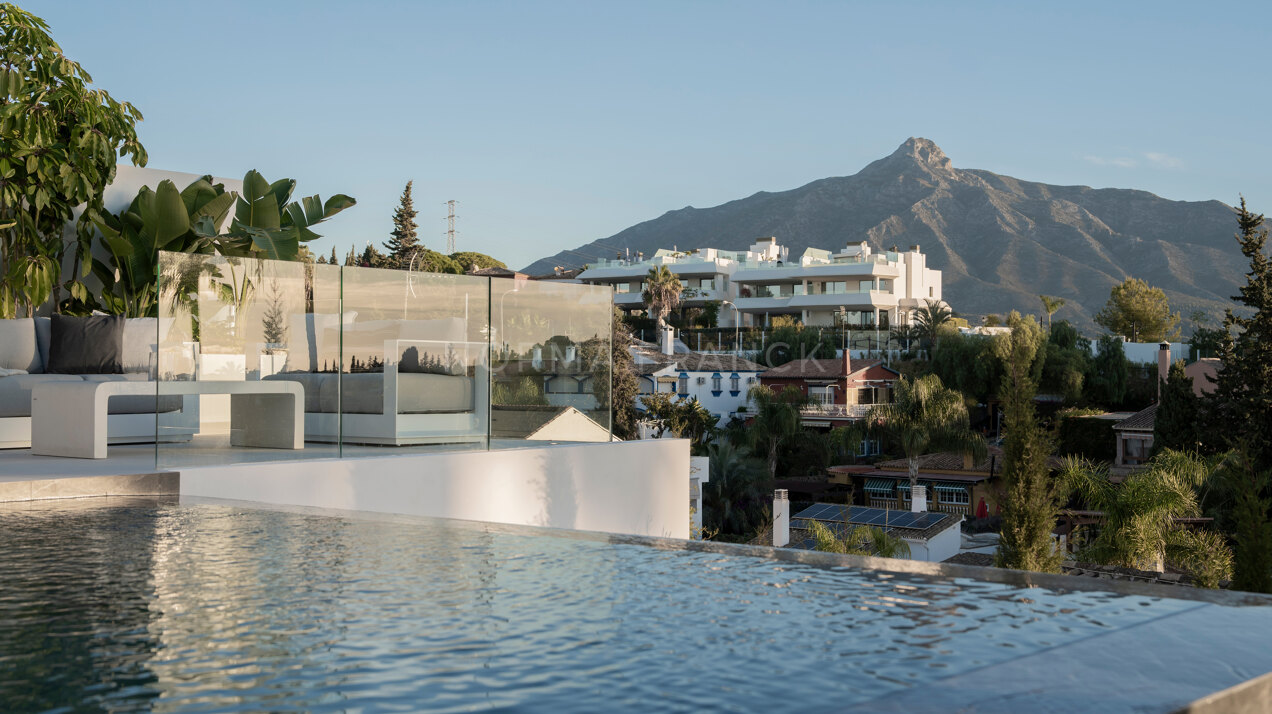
1031, 497
1243, 393
1178, 413
333, 260
404, 240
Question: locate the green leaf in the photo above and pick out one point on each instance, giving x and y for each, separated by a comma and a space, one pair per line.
254, 185
265, 213
336, 204
171, 219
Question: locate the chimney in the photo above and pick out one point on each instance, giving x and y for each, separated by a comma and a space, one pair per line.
668, 336
781, 518
918, 499
847, 361
967, 461
1163, 366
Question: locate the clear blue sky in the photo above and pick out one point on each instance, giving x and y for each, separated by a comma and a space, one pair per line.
554, 124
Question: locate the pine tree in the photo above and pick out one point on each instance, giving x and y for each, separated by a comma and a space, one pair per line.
1243, 393
274, 321
1031, 497
351, 258
333, 260
404, 241
1251, 530
1178, 413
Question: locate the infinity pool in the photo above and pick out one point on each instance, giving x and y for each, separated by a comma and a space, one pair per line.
153, 606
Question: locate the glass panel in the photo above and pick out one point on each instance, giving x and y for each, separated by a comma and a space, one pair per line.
551, 363
265, 360
414, 363
233, 346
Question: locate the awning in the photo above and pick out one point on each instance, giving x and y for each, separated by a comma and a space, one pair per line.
905, 486
880, 485
946, 487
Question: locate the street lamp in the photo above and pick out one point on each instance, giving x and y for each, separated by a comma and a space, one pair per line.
737, 322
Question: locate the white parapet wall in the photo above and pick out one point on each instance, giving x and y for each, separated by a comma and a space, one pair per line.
634, 487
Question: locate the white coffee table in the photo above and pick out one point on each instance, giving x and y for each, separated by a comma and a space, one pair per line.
69, 418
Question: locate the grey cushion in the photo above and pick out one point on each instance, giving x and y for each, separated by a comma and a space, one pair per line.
134, 403
43, 326
18, 345
312, 384
364, 393
86, 345
417, 394
141, 334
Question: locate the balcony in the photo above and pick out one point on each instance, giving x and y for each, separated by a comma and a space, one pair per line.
835, 411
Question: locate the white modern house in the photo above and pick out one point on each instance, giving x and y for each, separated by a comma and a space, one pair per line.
719, 382
856, 286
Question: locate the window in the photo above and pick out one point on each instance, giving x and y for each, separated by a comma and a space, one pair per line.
715, 382
931, 292
622, 287
734, 382
953, 495
683, 384
1136, 450
885, 285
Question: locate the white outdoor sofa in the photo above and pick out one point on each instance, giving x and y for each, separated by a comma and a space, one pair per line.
401, 403
24, 346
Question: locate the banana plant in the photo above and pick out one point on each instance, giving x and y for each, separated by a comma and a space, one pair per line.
268, 224
162, 219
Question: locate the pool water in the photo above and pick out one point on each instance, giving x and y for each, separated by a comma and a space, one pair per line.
156, 606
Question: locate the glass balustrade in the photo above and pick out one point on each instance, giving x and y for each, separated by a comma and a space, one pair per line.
259, 360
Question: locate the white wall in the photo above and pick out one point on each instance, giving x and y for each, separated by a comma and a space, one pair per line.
938, 548
725, 404
634, 487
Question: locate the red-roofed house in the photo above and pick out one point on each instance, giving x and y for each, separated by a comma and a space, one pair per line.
842, 390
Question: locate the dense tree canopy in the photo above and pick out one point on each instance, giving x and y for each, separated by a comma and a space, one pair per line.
1138, 312
59, 144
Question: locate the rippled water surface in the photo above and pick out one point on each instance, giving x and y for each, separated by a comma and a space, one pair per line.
159, 607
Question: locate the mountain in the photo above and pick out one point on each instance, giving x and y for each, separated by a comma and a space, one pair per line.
1000, 241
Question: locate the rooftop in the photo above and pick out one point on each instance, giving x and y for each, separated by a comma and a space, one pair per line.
1141, 420
820, 369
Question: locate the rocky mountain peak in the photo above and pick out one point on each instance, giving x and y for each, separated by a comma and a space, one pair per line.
924, 152
1000, 241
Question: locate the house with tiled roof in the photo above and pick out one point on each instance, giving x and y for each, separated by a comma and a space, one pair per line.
720, 382
1134, 440
954, 482
841, 389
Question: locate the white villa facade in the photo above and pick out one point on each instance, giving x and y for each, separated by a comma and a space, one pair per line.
719, 382
855, 286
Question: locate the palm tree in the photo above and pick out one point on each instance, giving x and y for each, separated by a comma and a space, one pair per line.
1140, 529
1049, 306
662, 293
776, 421
734, 497
858, 540
928, 319
926, 416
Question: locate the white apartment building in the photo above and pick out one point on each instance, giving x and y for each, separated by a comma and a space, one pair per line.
855, 286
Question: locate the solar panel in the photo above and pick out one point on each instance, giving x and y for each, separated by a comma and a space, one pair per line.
832, 513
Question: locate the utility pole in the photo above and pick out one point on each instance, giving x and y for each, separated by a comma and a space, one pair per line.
450, 226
